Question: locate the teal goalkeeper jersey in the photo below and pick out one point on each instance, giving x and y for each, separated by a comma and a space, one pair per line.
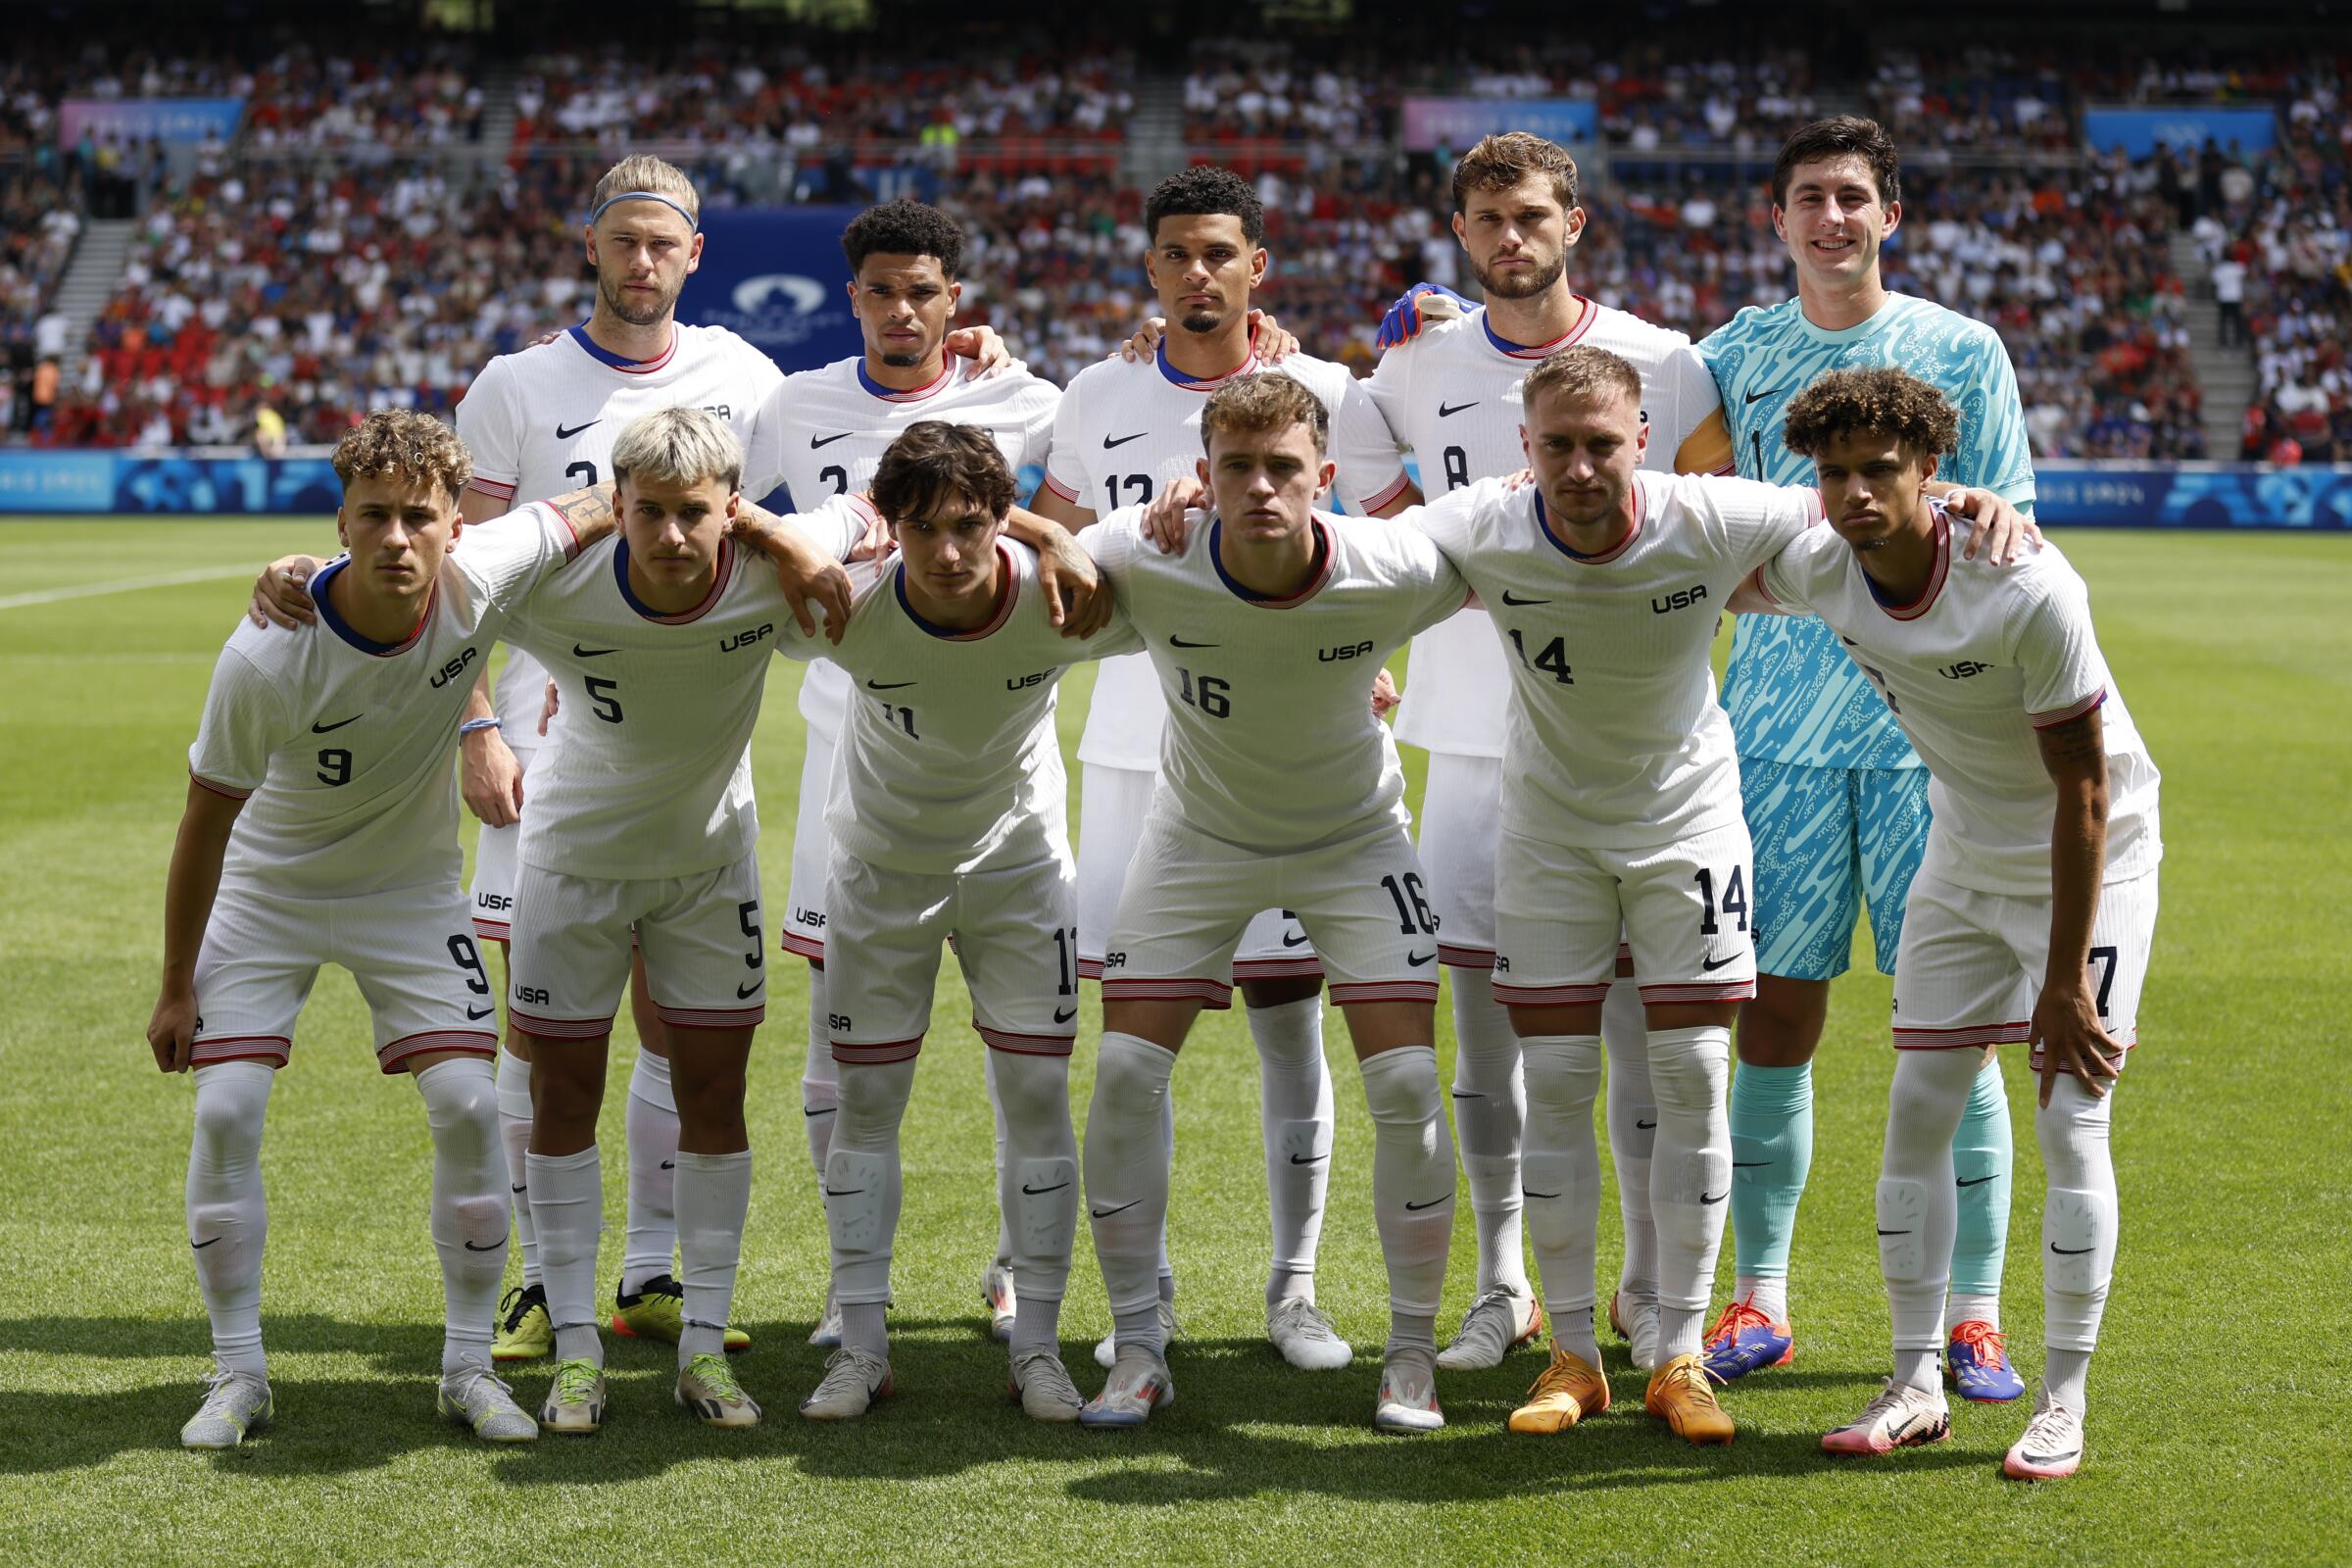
1793, 693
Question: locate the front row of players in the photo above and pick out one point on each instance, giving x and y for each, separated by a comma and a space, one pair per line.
1279, 789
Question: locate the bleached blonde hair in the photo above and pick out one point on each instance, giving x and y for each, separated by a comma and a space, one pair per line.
644, 172
678, 446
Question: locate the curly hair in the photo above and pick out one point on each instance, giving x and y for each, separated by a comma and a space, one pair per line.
1252, 405
904, 227
1883, 401
1497, 163
402, 444
933, 460
1206, 191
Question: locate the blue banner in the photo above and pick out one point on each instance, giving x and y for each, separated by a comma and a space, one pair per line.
2193, 495
776, 276
129, 120
2140, 131
1456, 124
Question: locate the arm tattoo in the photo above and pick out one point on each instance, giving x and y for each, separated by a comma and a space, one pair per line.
587, 511
2077, 746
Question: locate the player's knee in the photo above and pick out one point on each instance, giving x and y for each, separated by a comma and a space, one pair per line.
1563, 1075
1689, 1070
1780, 1025
2072, 1132
872, 1099
1033, 1090
230, 1111
1406, 1095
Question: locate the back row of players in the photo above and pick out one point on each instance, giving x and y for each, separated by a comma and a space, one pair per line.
1622, 808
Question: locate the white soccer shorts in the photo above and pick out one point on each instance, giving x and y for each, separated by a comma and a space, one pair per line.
409, 949
1683, 909
704, 963
1461, 805
1190, 897
1113, 805
804, 929
494, 863
1970, 964
1016, 939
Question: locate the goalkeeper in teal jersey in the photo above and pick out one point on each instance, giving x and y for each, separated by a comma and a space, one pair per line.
1836, 800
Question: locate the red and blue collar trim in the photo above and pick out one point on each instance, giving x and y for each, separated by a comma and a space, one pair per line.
1318, 574
604, 356
719, 579
344, 629
1200, 383
1007, 591
1936, 577
1538, 350
1603, 558
937, 384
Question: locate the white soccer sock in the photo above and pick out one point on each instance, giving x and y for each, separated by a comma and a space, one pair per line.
996, 1108
1691, 1175
1560, 1175
715, 1193
1918, 1207
651, 1122
468, 1212
1632, 1113
1037, 1186
514, 1132
1768, 1293
1489, 1115
227, 1219
568, 1205
2078, 1229
1412, 1185
1127, 1180
1963, 1307
1295, 1116
1167, 1149
863, 1179
821, 1079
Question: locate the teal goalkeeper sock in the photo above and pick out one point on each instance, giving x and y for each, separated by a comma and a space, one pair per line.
1981, 1158
1772, 1150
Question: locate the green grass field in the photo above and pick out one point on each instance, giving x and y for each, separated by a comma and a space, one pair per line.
2211, 1433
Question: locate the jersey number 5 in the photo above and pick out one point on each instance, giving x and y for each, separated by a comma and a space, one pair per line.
604, 697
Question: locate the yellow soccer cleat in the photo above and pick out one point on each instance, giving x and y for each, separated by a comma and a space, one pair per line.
524, 1332
1680, 1396
1562, 1394
658, 1312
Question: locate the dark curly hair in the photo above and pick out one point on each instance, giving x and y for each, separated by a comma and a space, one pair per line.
1204, 191
904, 227
1883, 401
935, 461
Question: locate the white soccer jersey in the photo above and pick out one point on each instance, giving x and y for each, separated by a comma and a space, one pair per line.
653, 778
1126, 431
1988, 656
1614, 739
1452, 395
823, 432
541, 422
339, 746
1272, 746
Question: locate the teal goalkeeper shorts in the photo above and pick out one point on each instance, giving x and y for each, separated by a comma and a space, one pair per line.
1829, 840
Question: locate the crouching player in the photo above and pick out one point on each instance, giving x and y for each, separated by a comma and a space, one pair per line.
1279, 790
2035, 909
322, 828
948, 822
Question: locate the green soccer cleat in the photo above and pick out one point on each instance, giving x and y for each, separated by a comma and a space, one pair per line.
524, 1332
236, 1404
472, 1397
658, 1312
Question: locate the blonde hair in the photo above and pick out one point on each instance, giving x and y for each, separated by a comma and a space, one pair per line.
646, 173
402, 444
1583, 372
1261, 402
678, 446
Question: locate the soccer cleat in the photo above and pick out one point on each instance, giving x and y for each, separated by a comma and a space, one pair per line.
575, 1400
1305, 1337
1640, 1336
853, 1380
1562, 1394
1139, 1384
472, 1397
1978, 1363
1107, 1348
2052, 1449
1497, 1323
1407, 1401
1898, 1417
236, 1404
1041, 1386
1680, 1396
1742, 1341
706, 1386
658, 1312
996, 1288
524, 1332
826, 1336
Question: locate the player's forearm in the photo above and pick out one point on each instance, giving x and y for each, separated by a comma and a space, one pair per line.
785, 542
194, 881
589, 512
2074, 755
478, 700
1034, 529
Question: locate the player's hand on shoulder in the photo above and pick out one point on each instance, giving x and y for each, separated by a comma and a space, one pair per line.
1270, 339
488, 774
1146, 341
984, 346
172, 1030
2071, 1040
282, 594
1422, 305
1077, 599
1167, 520
2000, 529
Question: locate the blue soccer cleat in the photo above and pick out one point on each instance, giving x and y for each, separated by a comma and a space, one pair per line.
1744, 1340
1978, 1363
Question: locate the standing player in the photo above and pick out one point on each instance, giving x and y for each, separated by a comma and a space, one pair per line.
1835, 798
1278, 788
1125, 432
322, 828
2034, 910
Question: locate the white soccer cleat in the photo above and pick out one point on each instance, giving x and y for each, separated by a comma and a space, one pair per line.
1305, 1337
853, 1380
1637, 1323
996, 1288
1041, 1386
2052, 1449
235, 1405
1408, 1394
1139, 1384
1898, 1416
707, 1390
1498, 1322
826, 1336
575, 1400
472, 1397
1107, 1348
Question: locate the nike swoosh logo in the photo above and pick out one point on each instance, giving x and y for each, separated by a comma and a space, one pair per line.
492, 1248
1717, 1198
1467, 1094
1061, 1017
1108, 443
323, 729
201, 1245
1178, 642
1644, 1126
1749, 1164
1517, 604
1524, 1192
1978, 1181
522, 1189
816, 441
562, 434
1105, 1213
887, 685
577, 652
1894, 1233
2071, 1252
1758, 397
1447, 411
843, 1192
1415, 1208
669, 1164
1035, 1192
1417, 960
1710, 965
820, 1111
743, 991
472, 1016
1290, 941
1308, 1159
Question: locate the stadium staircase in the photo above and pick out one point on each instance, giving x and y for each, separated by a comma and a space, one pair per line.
90, 281
2225, 376
1154, 146
498, 111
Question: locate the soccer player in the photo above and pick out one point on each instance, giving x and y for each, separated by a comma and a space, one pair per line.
1452, 394
822, 434
322, 828
1126, 431
1837, 800
948, 816
2033, 909
1277, 788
